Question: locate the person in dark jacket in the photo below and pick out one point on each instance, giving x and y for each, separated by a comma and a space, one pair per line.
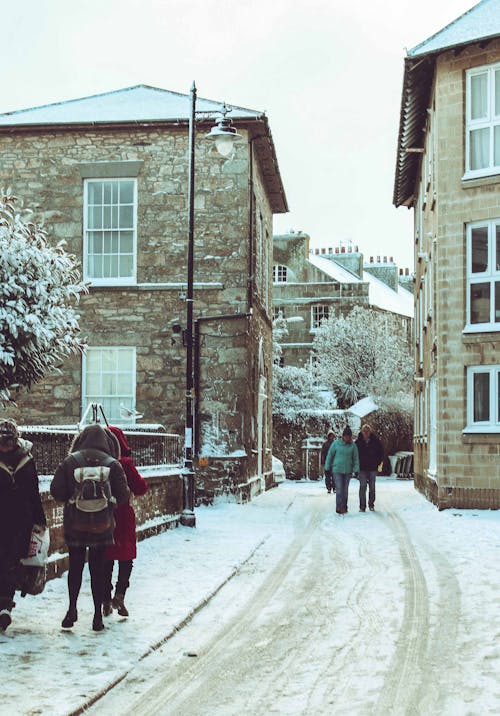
329, 484
20, 510
92, 448
371, 454
124, 548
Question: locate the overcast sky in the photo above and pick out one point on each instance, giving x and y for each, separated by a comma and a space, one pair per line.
328, 73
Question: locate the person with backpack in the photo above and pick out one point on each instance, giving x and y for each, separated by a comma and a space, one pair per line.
90, 482
343, 461
124, 548
20, 511
371, 454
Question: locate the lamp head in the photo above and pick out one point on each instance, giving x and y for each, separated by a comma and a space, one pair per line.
224, 134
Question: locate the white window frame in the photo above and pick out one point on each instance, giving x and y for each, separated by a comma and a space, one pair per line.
316, 318
280, 273
491, 276
489, 121
493, 424
111, 280
126, 399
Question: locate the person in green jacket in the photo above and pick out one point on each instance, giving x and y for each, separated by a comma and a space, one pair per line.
343, 461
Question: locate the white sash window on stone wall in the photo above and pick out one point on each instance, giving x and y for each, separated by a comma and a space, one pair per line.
110, 229
483, 399
483, 276
109, 378
280, 274
482, 137
319, 314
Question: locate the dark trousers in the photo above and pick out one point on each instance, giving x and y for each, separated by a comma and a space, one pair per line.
8, 576
75, 572
329, 481
122, 583
367, 477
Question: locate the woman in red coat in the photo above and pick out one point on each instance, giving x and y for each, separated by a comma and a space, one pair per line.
124, 549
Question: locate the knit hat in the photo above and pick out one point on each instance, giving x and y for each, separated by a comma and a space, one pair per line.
8, 431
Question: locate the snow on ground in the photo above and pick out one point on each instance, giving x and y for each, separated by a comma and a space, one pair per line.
46, 670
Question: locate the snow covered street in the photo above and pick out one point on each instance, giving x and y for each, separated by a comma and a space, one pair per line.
281, 606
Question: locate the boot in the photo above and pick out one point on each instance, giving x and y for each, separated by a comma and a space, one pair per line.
107, 608
97, 623
70, 618
119, 605
5, 619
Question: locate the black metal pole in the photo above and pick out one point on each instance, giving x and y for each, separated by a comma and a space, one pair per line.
188, 517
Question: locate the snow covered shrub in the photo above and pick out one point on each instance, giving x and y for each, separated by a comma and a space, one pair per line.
393, 423
363, 353
294, 390
38, 326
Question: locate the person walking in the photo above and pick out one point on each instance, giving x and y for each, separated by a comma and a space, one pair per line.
343, 460
329, 484
371, 454
20, 510
89, 472
124, 548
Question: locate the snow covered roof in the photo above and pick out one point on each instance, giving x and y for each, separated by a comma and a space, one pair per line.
480, 23
140, 103
382, 296
363, 407
333, 269
145, 105
379, 294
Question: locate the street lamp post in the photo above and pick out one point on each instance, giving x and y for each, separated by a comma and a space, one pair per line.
224, 135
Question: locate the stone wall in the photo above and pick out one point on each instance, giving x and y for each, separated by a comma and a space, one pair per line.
156, 511
468, 468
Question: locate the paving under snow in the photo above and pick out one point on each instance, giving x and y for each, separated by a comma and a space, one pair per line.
393, 612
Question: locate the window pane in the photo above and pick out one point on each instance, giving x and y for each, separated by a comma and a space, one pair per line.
480, 303
114, 242
114, 266
479, 249
496, 145
124, 360
106, 217
107, 192
479, 96
95, 217
114, 217
481, 397
479, 148
125, 383
126, 242
126, 192
126, 217
497, 248
126, 266
93, 360
94, 192
108, 383
498, 398
497, 301
93, 383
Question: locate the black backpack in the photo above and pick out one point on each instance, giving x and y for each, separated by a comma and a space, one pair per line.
90, 510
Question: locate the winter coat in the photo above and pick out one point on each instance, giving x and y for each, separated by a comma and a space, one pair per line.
324, 450
20, 503
124, 547
342, 457
95, 445
371, 453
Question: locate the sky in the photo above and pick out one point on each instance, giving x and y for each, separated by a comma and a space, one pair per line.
405, 564
328, 73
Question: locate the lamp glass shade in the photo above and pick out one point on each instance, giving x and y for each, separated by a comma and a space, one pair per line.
224, 144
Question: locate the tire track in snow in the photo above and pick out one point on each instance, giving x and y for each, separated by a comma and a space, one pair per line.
400, 692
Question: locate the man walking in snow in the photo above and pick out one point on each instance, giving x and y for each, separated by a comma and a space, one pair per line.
371, 454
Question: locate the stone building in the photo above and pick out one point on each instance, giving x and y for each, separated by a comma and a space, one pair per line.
448, 171
311, 285
109, 175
